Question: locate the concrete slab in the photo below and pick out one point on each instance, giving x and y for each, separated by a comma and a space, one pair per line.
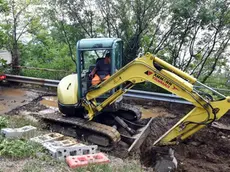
11, 98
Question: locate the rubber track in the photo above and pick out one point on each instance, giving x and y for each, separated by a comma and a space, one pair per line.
110, 132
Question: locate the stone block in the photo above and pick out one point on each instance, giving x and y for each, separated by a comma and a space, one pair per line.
84, 160
61, 152
25, 132
47, 137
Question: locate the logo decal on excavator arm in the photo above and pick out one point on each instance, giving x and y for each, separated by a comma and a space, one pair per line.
175, 88
161, 80
148, 72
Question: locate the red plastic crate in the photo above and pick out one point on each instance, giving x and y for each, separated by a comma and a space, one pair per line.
84, 160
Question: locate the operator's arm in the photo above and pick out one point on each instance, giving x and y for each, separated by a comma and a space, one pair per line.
94, 70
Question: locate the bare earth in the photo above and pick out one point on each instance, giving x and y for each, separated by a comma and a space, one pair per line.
206, 151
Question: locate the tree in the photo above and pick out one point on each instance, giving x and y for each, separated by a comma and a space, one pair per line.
44, 51
197, 37
130, 20
3, 6
17, 22
63, 29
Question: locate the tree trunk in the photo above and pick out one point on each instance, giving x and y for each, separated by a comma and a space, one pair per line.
15, 60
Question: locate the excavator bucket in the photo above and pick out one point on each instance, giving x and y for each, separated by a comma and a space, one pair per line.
139, 138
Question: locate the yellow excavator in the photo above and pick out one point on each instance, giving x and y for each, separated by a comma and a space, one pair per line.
98, 115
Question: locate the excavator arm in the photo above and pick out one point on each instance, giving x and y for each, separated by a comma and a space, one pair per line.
152, 69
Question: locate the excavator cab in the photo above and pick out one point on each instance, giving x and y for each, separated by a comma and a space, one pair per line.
89, 52
74, 87
116, 122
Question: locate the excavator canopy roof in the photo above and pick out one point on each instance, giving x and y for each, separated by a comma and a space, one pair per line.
96, 43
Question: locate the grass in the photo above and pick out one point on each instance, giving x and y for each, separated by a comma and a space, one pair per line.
57, 166
3, 122
19, 148
17, 121
38, 160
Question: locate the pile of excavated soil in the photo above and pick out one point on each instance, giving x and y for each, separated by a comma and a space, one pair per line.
206, 151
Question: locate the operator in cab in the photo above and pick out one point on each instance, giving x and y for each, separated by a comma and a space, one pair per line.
102, 70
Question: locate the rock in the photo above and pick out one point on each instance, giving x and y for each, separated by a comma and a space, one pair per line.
195, 143
166, 163
116, 161
47, 111
165, 166
40, 154
27, 115
31, 118
10, 164
150, 103
223, 137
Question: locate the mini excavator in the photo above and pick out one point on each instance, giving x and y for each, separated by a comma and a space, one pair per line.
99, 116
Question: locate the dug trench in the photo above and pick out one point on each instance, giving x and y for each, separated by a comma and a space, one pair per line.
207, 150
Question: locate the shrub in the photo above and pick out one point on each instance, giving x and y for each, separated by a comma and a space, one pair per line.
3, 122
19, 148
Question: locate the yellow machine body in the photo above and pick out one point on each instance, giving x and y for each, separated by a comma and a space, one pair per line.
152, 69
67, 92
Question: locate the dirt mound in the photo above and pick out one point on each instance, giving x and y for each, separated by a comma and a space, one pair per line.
206, 151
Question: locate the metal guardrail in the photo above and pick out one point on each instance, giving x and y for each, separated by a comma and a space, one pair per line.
32, 80
155, 96
131, 93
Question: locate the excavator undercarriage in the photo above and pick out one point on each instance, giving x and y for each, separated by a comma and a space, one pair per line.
111, 128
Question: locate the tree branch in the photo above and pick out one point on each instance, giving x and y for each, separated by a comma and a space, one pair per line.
209, 53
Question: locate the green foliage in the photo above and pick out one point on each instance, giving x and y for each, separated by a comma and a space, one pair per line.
1, 138
3, 122
107, 168
3, 65
189, 34
3, 6
42, 165
19, 148
46, 52
16, 121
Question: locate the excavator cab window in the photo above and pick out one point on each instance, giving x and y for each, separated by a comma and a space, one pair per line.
89, 59
89, 51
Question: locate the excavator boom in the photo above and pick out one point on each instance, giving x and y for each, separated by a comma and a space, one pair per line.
152, 69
